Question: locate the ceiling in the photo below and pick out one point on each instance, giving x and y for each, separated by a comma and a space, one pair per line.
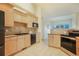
52, 10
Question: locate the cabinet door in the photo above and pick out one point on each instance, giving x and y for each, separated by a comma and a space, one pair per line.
9, 18
35, 20
77, 46
77, 51
20, 43
50, 40
27, 41
17, 16
29, 21
56, 40
10, 45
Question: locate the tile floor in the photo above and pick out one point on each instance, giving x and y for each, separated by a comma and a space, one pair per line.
41, 49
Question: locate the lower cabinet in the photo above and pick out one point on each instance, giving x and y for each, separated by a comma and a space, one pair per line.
23, 41
54, 40
10, 45
50, 40
20, 42
27, 41
77, 46
77, 51
14, 44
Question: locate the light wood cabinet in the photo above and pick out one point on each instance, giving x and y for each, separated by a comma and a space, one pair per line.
24, 18
54, 40
57, 40
77, 46
27, 41
35, 19
7, 9
29, 21
14, 44
19, 16
9, 21
77, 51
50, 40
10, 45
20, 42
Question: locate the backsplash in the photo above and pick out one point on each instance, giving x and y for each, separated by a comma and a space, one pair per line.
32, 30
16, 30
19, 28
9, 31
59, 31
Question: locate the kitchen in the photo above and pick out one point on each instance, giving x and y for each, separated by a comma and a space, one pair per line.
30, 28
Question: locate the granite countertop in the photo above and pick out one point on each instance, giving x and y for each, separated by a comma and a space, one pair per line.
54, 34
10, 35
69, 37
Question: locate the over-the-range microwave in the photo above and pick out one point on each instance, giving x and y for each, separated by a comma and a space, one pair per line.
34, 24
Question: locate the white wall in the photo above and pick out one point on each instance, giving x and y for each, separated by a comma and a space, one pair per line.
77, 21
40, 22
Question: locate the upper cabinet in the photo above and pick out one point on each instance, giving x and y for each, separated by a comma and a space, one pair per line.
19, 16
35, 19
31, 19
27, 18
8, 14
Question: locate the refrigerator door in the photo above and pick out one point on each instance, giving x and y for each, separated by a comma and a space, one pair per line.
2, 50
2, 33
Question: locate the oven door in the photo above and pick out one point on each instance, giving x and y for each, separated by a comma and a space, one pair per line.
69, 44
